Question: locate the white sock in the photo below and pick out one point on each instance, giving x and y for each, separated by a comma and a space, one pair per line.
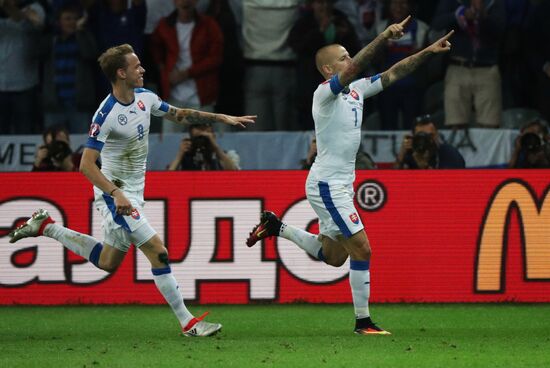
168, 287
81, 244
303, 239
359, 279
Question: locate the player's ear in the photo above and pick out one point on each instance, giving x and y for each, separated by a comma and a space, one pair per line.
121, 73
327, 69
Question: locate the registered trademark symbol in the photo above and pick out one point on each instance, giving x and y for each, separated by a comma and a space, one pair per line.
371, 195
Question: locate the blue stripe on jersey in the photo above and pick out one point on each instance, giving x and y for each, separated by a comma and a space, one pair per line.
163, 107
374, 78
335, 85
119, 219
94, 144
105, 110
324, 191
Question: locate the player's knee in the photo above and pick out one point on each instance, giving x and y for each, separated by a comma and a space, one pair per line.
163, 258
361, 251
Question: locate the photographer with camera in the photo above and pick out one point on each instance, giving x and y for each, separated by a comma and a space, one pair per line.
55, 153
531, 150
426, 150
201, 152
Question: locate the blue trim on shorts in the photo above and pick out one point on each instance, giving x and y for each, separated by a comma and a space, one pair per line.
119, 219
324, 191
161, 271
359, 265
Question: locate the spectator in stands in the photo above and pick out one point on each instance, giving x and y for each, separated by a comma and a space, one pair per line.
188, 47
52, 156
532, 147
518, 81
270, 76
363, 15
539, 55
202, 152
156, 10
473, 74
68, 92
404, 98
319, 26
426, 150
231, 96
116, 22
20, 26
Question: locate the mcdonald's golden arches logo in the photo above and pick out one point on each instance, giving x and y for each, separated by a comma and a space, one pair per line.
534, 220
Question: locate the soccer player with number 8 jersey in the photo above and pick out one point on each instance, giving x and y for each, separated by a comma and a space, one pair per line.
119, 135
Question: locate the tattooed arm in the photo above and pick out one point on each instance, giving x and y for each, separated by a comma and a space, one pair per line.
364, 57
411, 63
190, 116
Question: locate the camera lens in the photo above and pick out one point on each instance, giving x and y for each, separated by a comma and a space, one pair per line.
422, 142
530, 142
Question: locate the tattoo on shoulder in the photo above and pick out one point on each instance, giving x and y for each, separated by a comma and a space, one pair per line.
173, 111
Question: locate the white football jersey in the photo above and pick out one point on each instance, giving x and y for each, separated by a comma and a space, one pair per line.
338, 114
120, 132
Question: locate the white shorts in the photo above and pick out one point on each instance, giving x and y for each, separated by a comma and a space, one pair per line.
120, 231
333, 204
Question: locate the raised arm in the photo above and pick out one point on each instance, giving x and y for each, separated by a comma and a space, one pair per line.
364, 57
411, 63
190, 116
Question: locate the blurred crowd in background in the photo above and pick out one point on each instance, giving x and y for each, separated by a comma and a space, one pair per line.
257, 57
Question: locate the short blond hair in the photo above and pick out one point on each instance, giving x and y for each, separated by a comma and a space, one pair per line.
113, 59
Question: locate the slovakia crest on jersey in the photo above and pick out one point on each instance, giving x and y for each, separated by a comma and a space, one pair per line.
94, 130
141, 105
354, 94
354, 218
135, 214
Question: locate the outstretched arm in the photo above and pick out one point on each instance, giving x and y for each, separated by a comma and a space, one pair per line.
411, 63
190, 116
364, 57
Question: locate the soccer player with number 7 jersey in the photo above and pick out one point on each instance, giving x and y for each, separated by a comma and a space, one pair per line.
119, 135
337, 113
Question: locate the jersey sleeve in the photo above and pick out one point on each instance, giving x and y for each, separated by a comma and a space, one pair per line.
99, 131
158, 107
327, 91
369, 86
101, 126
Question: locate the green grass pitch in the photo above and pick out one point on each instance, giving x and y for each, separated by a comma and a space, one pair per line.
424, 335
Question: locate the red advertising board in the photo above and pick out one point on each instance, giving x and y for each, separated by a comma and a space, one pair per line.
436, 236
